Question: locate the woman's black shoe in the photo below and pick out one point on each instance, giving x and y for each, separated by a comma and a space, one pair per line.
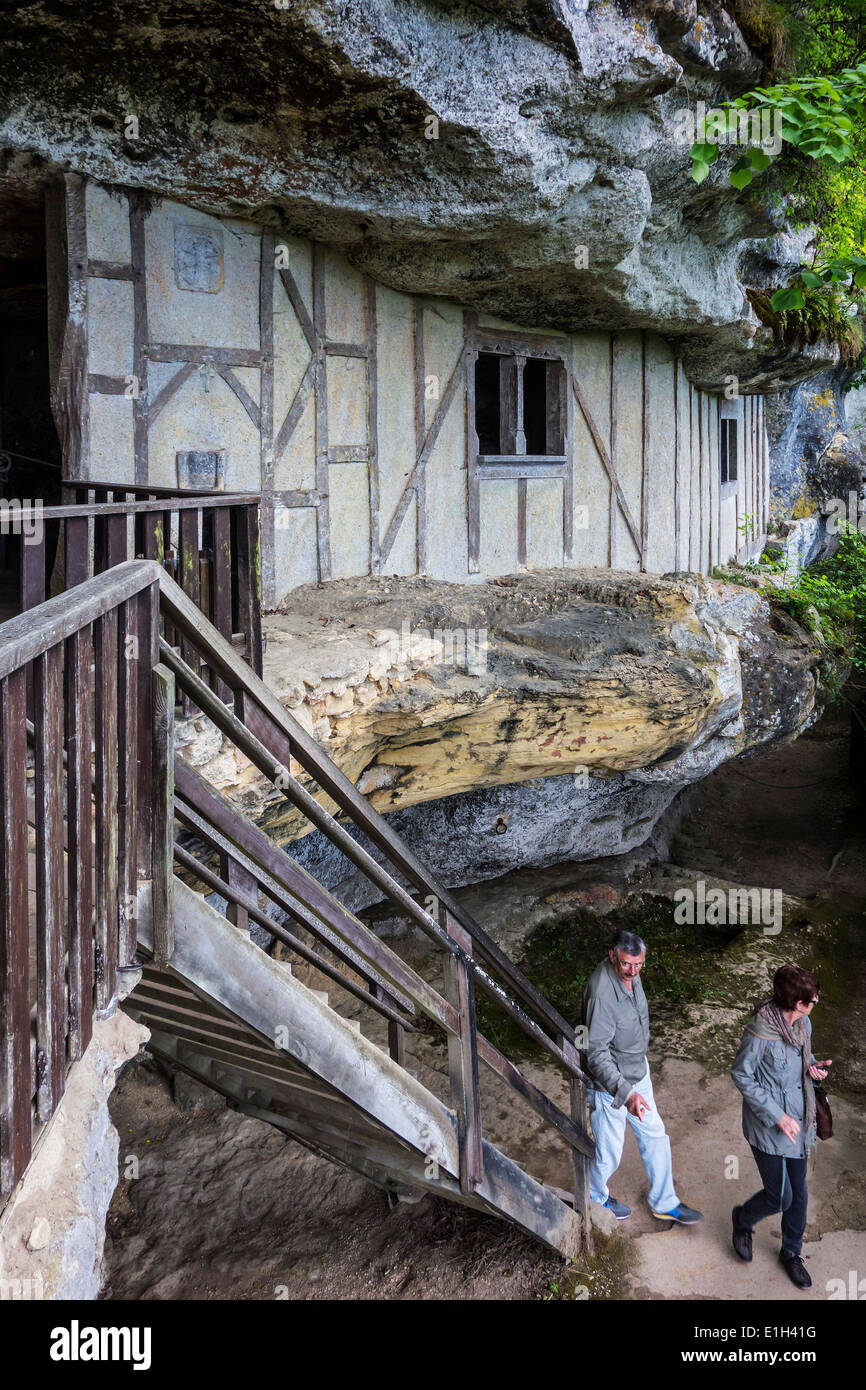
796, 1270
742, 1237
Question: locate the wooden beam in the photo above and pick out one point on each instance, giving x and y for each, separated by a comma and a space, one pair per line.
170, 389
140, 414
420, 431
306, 324
463, 1058
265, 420
645, 455
194, 352
50, 916
105, 809
608, 465
15, 1079
421, 461
473, 487
323, 514
162, 876
371, 321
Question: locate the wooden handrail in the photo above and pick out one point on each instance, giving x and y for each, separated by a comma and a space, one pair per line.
22, 639
150, 489
185, 503
334, 782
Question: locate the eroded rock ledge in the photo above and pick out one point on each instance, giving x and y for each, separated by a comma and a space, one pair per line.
568, 707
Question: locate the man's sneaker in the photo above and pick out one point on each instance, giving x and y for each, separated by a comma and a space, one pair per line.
796, 1270
742, 1237
619, 1209
686, 1216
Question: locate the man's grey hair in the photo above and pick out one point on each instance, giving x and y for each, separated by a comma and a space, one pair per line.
629, 942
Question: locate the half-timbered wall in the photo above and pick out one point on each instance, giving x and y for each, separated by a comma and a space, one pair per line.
351, 407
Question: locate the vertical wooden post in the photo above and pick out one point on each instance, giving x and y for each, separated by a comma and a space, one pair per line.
579, 1106
396, 1034
105, 739
189, 579
234, 874
48, 791
249, 583
129, 658
79, 836
463, 1058
15, 1080
163, 815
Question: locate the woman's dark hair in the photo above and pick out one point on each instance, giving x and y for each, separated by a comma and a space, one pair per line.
792, 985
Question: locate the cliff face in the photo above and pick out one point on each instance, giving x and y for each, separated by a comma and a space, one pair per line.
527, 720
525, 157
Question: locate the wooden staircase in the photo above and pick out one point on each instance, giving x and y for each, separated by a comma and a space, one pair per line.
216, 1012
217, 1004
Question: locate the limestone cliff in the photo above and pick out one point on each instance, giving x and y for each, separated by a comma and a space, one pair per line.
524, 157
529, 719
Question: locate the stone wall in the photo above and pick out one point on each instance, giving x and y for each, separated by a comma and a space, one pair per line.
52, 1231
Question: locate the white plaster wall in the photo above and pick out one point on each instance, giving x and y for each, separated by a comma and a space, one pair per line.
107, 217
591, 366
396, 420
228, 318
205, 414
688, 523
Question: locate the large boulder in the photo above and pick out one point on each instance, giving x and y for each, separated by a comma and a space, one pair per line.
526, 720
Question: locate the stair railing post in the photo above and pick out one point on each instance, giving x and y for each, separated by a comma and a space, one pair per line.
162, 874
580, 1114
463, 1056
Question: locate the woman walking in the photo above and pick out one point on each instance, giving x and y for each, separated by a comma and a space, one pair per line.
774, 1070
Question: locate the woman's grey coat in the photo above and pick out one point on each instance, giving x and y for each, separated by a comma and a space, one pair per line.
770, 1077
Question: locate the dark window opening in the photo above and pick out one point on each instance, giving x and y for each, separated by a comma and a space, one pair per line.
487, 402
519, 406
29, 448
728, 451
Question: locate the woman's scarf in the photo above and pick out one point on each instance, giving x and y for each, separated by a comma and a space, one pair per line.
769, 1022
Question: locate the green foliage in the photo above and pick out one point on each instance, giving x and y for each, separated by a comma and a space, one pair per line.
816, 315
830, 597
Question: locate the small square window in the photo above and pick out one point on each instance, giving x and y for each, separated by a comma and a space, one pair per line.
519, 406
728, 452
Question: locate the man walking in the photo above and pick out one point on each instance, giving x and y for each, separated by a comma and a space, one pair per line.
617, 1020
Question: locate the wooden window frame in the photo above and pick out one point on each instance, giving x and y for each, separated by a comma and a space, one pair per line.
518, 467
728, 435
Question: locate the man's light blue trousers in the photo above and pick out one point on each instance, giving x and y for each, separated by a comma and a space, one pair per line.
608, 1127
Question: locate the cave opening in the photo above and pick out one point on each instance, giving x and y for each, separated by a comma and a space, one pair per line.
30, 452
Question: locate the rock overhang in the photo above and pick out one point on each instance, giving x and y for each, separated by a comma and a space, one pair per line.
553, 125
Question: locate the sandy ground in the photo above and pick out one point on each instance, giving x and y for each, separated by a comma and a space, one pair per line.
224, 1207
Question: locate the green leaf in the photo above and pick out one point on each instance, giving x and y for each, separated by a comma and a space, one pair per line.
699, 170
784, 300
811, 280
704, 152
758, 158
742, 173
860, 279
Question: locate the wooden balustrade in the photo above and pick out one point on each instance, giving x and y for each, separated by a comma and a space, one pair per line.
101, 674
84, 788
207, 541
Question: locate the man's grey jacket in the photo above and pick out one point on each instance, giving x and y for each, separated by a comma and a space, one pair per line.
617, 1020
